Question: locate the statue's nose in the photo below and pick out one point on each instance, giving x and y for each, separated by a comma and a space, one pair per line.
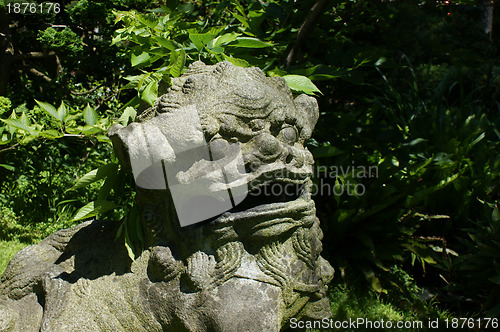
293, 156
268, 145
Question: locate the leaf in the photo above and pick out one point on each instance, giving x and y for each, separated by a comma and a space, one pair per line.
24, 119
150, 92
90, 130
238, 62
139, 59
62, 112
90, 115
103, 138
20, 125
51, 134
134, 81
200, 40
172, 4
129, 245
93, 208
95, 175
477, 140
372, 279
226, 38
241, 19
177, 60
128, 114
51, 110
248, 42
495, 215
163, 42
415, 142
301, 84
8, 167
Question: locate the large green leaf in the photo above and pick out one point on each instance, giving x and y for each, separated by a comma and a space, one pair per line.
134, 81
51, 110
8, 167
200, 40
177, 60
226, 38
163, 42
90, 115
62, 112
128, 115
140, 58
238, 62
16, 123
301, 84
248, 42
150, 92
95, 175
93, 208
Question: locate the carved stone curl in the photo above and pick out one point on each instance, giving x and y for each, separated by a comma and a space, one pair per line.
251, 268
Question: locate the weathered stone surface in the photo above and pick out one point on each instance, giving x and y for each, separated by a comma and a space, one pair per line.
251, 268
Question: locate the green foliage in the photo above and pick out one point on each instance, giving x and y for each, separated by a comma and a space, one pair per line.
41, 157
171, 37
356, 302
63, 122
5, 105
64, 41
436, 156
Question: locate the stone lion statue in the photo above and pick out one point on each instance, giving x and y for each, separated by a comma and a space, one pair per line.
240, 252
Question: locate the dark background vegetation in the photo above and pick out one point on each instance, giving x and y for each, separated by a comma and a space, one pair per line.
412, 87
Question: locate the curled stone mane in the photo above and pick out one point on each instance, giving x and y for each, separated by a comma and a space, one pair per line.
252, 267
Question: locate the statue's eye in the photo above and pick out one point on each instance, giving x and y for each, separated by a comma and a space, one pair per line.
288, 134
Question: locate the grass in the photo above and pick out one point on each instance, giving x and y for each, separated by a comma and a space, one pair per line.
349, 303
7, 250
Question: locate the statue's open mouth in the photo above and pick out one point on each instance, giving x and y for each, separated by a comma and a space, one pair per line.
273, 207
279, 191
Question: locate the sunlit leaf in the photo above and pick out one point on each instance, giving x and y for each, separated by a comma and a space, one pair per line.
16, 123
62, 112
248, 42
200, 40
94, 208
51, 110
178, 59
238, 62
95, 175
139, 59
8, 167
90, 115
127, 116
150, 93
301, 84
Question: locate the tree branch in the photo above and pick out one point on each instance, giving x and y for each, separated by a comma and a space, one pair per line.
86, 92
315, 11
39, 74
12, 147
33, 55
